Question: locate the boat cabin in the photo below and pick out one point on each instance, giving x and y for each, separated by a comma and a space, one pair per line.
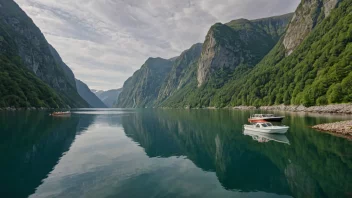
263, 125
262, 116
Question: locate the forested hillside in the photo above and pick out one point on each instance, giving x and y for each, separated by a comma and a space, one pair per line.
310, 65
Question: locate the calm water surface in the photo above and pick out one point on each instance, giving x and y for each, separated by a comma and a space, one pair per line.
169, 153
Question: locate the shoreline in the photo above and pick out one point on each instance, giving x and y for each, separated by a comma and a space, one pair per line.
341, 129
333, 108
25, 109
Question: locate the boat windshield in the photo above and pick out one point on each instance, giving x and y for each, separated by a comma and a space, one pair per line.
269, 124
264, 125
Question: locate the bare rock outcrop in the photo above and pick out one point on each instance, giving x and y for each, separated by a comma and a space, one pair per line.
308, 14
343, 128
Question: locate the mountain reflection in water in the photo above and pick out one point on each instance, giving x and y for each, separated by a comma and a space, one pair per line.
169, 153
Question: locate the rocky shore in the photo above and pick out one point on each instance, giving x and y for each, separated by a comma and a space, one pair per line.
334, 108
343, 128
23, 109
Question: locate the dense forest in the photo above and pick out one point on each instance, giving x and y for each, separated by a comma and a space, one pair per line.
21, 88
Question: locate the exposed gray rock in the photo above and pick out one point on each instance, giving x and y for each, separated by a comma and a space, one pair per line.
206, 59
343, 128
230, 45
306, 17
334, 108
25, 41
177, 77
244, 107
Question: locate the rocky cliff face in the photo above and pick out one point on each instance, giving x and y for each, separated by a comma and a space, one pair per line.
30, 45
67, 71
308, 14
142, 89
88, 95
179, 74
238, 43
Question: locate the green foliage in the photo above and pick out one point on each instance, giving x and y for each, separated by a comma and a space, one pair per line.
319, 71
20, 88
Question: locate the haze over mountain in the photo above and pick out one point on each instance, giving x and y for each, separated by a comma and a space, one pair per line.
104, 42
108, 97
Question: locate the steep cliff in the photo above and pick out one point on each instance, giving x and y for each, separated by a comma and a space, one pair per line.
317, 72
88, 95
29, 46
67, 71
142, 89
308, 14
180, 73
238, 43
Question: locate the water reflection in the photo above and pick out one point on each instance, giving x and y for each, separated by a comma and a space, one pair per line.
31, 144
313, 166
263, 137
168, 153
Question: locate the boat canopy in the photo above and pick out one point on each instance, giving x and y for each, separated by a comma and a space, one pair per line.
262, 115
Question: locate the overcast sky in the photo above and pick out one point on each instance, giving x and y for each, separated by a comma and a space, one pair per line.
105, 41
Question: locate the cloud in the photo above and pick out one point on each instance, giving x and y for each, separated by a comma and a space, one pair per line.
105, 41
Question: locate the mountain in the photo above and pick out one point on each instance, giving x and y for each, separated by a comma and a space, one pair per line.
235, 46
142, 89
31, 67
88, 95
239, 43
108, 97
301, 58
314, 70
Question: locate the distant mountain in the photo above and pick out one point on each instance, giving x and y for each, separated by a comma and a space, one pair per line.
32, 72
88, 95
109, 97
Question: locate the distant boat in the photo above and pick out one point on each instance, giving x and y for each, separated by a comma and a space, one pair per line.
266, 137
266, 127
61, 113
265, 117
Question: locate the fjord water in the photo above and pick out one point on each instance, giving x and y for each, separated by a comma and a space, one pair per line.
169, 153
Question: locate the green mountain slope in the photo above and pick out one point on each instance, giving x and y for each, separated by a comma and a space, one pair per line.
179, 76
142, 89
22, 41
318, 72
21, 88
310, 65
229, 51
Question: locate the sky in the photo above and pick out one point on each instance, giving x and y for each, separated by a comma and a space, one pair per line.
105, 41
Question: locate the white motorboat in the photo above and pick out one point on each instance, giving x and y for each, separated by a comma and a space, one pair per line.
266, 127
266, 137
